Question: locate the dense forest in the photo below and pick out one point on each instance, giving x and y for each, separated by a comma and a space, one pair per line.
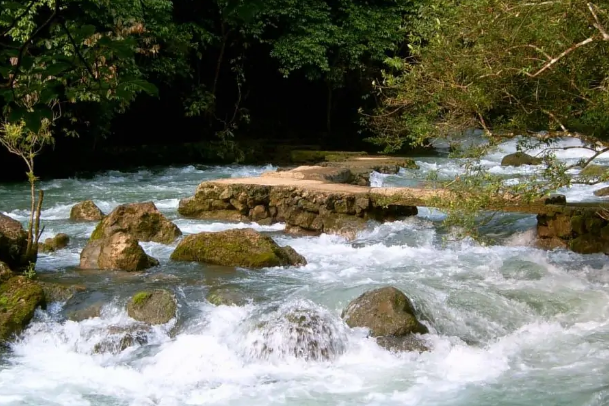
234, 79
132, 73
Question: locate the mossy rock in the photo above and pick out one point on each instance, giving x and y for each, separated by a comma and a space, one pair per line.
588, 244
594, 171
58, 242
385, 312
5, 272
142, 221
594, 225
118, 252
240, 248
19, 298
13, 244
519, 159
578, 224
152, 307
86, 211
226, 296
602, 192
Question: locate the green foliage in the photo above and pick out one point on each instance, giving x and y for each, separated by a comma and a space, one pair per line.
30, 272
505, 66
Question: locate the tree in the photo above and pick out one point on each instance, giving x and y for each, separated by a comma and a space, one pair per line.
508, 68
50, 60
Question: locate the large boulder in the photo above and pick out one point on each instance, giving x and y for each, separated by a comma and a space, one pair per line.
156, 307
143, 221
86, 211
519, 159
53, 244
385, 312
118, 251
19, 298
242, 247
13, 244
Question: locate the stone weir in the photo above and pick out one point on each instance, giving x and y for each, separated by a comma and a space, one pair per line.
306, 206
335, 198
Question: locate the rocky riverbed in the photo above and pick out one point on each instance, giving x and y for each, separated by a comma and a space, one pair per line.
504, 324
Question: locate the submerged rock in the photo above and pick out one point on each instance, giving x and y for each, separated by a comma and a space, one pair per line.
118, 339
19, 298
86, 211
301, 332
85, 305
402, 344
58, 242
119, 251
227, 296
385, 312
519, 159
142, 221
242, 247
602, 192
155, 307
57, 292
13, 244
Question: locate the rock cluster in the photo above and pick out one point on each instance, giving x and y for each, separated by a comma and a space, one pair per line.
19, 298
311, 212
581, 229
142, 221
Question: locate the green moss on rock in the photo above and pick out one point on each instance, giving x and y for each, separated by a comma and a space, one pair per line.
594, 171
143, 221
19, 298
156, 307
141, 297
244, 248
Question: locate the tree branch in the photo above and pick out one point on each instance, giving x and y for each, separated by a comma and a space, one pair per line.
566, 52
77, 50
597, 23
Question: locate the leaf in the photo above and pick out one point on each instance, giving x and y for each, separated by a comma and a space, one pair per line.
57, 68
140, 85
84, 32
16, 114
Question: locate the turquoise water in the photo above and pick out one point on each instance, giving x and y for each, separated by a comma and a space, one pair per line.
510, 324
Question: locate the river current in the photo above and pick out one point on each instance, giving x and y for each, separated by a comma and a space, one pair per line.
509, 324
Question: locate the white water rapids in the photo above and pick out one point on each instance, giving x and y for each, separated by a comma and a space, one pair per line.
509, 324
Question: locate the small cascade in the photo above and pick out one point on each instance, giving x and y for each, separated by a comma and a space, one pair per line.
299, 329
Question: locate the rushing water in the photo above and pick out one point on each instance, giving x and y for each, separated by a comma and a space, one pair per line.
510, 324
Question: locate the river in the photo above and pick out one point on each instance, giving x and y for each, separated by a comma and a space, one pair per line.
510, 324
